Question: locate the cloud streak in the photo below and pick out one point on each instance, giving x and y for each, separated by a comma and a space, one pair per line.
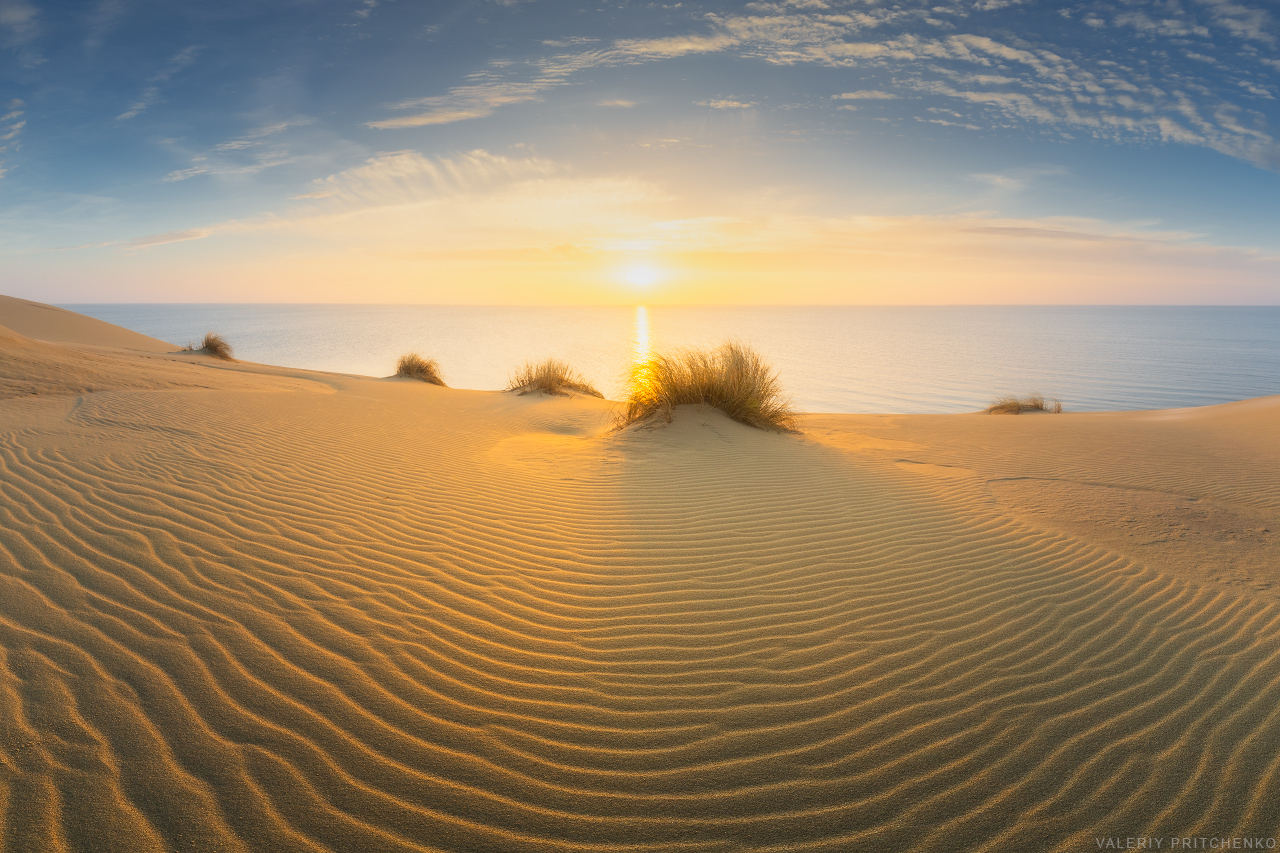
11, 125
169, 237
919, 56
497, 87
1159, 101
251, 152
18, 21
151, 94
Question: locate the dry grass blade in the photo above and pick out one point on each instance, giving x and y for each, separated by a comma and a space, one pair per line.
550, 377
415, 366
216, 345
1014, 405
732, 378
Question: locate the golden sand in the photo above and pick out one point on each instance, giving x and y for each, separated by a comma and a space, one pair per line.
246, 608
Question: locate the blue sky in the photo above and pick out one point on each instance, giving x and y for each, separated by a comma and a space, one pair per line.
531, 151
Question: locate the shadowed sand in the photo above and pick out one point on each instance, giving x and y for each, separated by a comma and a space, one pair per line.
245, 608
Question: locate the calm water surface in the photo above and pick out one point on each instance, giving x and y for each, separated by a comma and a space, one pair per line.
831, 359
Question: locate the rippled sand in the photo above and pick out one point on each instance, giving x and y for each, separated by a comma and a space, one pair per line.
246, 608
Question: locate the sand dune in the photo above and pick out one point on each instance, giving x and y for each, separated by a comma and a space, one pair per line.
290, 611
50, 323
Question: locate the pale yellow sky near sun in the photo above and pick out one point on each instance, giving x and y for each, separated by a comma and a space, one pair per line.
489, 229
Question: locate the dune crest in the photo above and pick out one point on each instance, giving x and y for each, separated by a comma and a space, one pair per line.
58, 325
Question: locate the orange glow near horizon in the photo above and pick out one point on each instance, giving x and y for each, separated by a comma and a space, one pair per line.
512, 230
488, 229
897, 261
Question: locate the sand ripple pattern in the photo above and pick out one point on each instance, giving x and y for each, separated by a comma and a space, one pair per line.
401, 619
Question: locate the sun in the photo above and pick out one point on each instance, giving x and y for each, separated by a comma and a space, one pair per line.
641, 275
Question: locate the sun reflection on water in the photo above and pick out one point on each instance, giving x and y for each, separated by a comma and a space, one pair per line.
641, 352
640, 339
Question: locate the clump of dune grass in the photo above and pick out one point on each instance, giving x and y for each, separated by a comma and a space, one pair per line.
414, 366
732, 378
550, 377
1014, 405
215, 345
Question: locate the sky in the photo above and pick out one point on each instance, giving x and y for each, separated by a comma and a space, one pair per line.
538, 152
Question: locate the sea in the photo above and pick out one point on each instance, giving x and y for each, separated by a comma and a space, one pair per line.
858, 359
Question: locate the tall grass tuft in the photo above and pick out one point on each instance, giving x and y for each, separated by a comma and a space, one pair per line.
733, 378
216, 345
1014, 405
415, 366
550, 377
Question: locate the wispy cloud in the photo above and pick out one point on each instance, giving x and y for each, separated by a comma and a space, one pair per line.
444, 115
666, 48
869, 94
469, 200
570, 42
407, 177
19, 27
1158, 99
1175, 25
17, 22
141, 243
151, 94
475, 100
500, 86
1017, 180
169, 237
101, 21
726, 104
183, 174
251, 152
275, 127
1244, 22
11, 125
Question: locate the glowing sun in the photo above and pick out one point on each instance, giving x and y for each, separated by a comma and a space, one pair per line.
641, 275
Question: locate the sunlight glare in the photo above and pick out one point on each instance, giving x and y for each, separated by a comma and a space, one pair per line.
641, 275
640, 340
641, 365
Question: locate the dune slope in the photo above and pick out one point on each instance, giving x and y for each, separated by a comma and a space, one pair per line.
363, 615
50, 323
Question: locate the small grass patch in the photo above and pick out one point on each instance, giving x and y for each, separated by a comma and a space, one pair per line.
215, 345
414, 366
732, 378
550, 377
1014, 405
